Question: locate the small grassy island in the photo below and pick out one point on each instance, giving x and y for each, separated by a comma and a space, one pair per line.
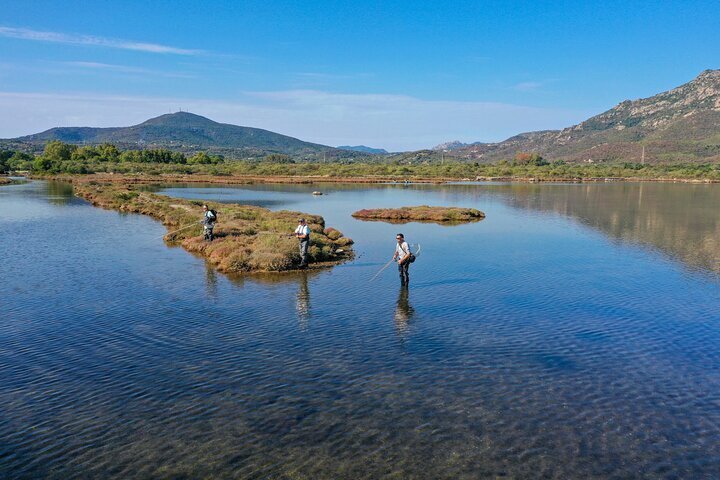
422, 213
248, 239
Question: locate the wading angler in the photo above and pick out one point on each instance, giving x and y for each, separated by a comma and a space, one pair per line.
208, 222
404, 258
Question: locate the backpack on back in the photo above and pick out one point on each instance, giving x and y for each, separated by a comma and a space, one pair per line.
411, 256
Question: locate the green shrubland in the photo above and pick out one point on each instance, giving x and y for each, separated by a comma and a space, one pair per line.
63, 158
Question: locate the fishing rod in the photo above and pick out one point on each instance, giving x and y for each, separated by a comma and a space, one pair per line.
391, 261
180, 229
382, 269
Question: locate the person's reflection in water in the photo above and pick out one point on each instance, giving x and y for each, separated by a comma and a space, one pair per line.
302, 304
211, 280
403, 312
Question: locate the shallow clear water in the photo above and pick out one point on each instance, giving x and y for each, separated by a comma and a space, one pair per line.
573, 333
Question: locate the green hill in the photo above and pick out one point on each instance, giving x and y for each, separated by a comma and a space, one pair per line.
188, 133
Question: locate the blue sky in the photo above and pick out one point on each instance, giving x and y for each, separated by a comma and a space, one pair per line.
398, 75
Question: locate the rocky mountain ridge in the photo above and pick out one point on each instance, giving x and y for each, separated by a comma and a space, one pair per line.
682, 124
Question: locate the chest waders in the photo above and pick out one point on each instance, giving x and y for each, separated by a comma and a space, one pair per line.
208, 230
304, 244
404, 267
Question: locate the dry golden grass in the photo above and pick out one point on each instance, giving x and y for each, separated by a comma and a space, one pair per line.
422, 213
247, 238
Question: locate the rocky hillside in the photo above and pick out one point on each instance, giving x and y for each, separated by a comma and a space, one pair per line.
682, 124
453, 145
188, 133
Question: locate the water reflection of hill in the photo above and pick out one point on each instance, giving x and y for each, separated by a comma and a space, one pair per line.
681, 221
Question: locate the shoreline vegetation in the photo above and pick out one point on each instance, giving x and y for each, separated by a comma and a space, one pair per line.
248, 239
60, 158
423, 213
135, 178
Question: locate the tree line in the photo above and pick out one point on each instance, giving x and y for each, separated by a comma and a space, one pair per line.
61, 157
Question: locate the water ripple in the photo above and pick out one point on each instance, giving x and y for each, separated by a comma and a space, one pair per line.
557, 355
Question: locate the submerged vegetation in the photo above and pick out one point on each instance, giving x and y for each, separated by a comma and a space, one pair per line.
422, 213
248, 238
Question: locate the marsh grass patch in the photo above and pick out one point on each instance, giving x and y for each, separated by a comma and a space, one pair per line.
422, 213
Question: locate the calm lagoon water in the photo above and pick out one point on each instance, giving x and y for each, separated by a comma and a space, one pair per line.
573, 333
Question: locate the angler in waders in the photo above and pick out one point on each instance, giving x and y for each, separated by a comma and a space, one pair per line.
208, 222
302, 232
404, 258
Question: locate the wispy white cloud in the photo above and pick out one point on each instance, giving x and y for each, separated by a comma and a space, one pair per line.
332, 76
528, 86
394, 122
109, 67
321, 80
91, 40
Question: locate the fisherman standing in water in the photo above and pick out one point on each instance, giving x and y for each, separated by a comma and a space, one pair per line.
403, 254
208, 222
302, 232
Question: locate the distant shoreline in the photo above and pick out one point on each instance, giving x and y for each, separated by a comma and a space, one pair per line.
312, 179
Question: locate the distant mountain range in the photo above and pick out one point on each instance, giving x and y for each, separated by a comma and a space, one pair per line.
364, 149
682, 124
187, 132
